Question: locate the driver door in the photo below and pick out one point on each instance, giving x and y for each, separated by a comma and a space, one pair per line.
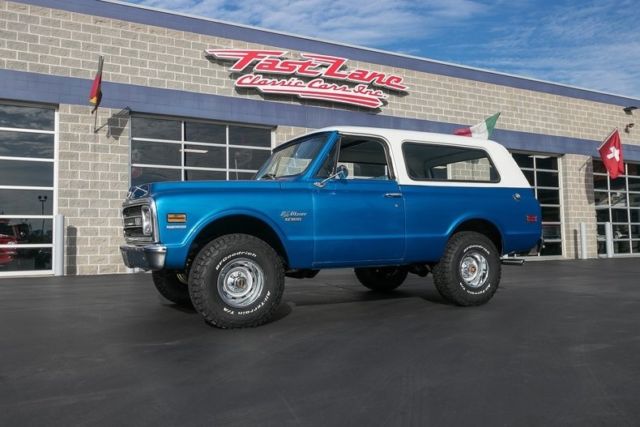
359, 219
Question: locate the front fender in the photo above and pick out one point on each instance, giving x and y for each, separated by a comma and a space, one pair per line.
177, 252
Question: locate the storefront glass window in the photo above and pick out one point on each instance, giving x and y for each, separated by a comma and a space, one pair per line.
189, 150
542, 172
27, 147
618, 201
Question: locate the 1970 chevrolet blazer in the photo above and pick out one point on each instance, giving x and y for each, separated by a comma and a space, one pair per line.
384, 202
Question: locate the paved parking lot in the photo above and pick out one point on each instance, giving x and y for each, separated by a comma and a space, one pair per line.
559, 344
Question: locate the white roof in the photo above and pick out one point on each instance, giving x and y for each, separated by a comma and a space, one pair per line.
510, 174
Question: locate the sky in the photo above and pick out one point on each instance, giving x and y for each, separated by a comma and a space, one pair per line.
590, 44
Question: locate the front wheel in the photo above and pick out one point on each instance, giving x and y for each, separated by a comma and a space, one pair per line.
469, 271
173, 286
381, 279
236, 281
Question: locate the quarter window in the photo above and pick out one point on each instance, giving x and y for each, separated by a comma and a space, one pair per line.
188, 150
431, 162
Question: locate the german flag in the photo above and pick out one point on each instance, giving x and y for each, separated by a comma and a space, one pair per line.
95, 96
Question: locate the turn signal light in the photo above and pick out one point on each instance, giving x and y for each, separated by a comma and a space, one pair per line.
177, 217
532, 218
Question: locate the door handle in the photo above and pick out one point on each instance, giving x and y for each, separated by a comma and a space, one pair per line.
393, 195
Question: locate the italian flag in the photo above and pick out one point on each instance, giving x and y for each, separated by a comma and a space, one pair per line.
482, 130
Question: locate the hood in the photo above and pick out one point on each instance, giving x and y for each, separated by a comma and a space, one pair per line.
182, 187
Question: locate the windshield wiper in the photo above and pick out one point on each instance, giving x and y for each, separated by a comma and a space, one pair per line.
268, 176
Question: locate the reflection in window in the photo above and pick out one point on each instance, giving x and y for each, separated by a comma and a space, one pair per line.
144, 175
26, 202
27, 259
21, 117
144, 127
617, 201
195, 150
430, 162
23, 173
202, 175
26, 187
542, 173
364, 158
23, 144
26, 230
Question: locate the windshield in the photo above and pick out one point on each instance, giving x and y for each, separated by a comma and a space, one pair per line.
292, 159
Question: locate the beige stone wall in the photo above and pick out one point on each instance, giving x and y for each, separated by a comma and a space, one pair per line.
62, 43
579, 206
93, 181
285, 133
93, 173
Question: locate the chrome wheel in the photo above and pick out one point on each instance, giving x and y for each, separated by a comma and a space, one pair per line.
474, 269
240, 282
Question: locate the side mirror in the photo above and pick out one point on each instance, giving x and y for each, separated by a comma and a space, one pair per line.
341, 173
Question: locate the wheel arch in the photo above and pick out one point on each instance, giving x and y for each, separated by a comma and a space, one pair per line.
240, 223
482, 226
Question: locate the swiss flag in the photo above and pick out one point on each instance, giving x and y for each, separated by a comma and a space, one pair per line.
611, 154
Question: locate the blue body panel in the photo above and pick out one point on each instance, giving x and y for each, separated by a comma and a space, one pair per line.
345, 222
348, 222
434, 213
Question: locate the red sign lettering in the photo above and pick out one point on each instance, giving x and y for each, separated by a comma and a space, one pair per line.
322, 68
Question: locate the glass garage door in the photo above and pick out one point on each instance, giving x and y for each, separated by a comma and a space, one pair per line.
618, 201
542, 172
27, 151
165, 149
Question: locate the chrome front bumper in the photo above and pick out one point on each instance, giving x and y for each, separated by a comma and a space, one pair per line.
150, 257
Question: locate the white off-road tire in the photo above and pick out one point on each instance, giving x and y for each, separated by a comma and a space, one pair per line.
236, 281
469, 271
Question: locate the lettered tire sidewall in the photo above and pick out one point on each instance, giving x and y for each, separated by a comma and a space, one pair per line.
211, 262
485, 292
447, 274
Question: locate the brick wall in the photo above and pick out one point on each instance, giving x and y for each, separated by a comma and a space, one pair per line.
577, 183
93, 166
93, 181
67, 44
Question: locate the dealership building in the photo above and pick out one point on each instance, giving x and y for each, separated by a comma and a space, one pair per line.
188, 98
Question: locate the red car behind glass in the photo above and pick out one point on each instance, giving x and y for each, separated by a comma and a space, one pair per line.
7, 237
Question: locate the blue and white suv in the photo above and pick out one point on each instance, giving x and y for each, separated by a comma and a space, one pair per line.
384, 202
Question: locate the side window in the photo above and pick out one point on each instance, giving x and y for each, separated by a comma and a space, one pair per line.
431, 162
364, 158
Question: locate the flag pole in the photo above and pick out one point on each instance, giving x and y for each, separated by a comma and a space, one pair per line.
607, 138
96, 92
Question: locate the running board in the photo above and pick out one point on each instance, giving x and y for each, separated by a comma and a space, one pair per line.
512, 261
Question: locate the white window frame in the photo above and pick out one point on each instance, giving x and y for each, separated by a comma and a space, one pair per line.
182, 168
628, 208
563, 237
56, 165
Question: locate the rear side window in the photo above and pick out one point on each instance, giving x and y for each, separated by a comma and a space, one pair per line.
431, 162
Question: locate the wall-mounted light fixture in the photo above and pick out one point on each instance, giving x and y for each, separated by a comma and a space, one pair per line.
629, 109
628, 127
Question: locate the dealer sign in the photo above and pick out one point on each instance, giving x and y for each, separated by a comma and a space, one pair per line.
325, 77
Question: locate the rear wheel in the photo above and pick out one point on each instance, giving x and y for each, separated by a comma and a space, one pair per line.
469, 271
236, 281
381, 279
172, 285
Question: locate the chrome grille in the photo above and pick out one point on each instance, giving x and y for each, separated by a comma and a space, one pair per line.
132, 224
